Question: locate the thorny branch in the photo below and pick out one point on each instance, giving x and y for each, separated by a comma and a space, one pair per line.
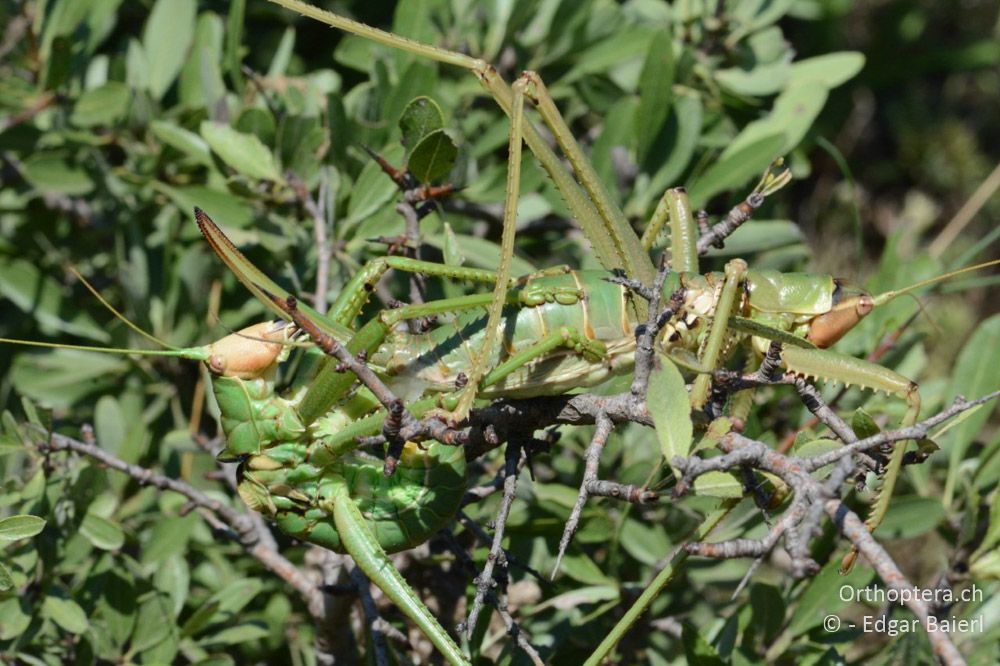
238, 525
716, 235
485, 581
491, 597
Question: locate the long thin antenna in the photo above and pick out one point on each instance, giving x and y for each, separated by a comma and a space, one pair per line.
116, 313
193, 353
885, 297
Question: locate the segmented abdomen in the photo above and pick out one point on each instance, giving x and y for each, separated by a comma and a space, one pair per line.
582, 301
402, 510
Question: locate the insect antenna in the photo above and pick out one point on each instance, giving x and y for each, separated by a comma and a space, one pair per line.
193, 353
885, 297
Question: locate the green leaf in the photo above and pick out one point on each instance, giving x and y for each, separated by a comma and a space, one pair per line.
109, 424
102, 533
697, 650
301, 144
243, 152
910, 517
656, 84
683, 132
231, 211
60, 378
829, 69
241, 633
669, 405
818, 447
974, 375
40, 295
104, 105
581, 568
6, 579
200, 618
821, 596
117, 604
420, 117
53, 172
646, 542
433, 157
768, 606
173, 577
22, 526
863, 424
372, 189
793, 114
718, 484
15, 616
169, 536
201, 84
736, 169
452, 253
59, 64
986, 566
166, 40
183, 140
234, 41
760, 236
153, 623
763, 79
66, 613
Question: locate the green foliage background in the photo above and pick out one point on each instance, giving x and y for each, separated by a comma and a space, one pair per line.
116, 118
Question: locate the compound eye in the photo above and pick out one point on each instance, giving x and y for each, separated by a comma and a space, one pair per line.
838, 290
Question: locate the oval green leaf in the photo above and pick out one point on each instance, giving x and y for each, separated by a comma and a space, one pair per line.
433, 157
6, 580
104, 105
243, 152
670, 407
66, 613
736, 168
830, 69
166, 40
718, 484
20, 527
420, 117
102, 533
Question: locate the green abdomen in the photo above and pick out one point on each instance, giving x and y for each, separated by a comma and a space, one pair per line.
402, 511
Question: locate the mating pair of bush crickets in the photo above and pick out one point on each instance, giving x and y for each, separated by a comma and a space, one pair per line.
542, 334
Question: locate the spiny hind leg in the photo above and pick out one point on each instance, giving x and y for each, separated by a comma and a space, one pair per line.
481, 360
833, 366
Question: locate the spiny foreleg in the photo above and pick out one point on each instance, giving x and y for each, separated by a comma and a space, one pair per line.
711, 355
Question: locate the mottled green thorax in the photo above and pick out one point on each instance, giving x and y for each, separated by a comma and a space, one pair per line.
253, 416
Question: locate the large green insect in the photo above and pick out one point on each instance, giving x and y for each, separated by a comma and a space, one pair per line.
560, 330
